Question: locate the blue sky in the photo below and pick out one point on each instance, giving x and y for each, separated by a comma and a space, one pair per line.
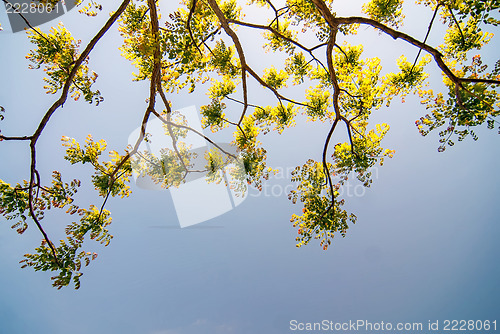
424, 248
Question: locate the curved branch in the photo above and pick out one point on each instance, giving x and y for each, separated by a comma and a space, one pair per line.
225, 25
54, 107
327, 171
188, 26
333, 75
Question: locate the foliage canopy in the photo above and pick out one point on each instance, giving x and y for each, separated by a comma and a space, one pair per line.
202, 46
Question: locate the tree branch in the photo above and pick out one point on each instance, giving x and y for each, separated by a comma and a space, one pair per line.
225, 25
54, 107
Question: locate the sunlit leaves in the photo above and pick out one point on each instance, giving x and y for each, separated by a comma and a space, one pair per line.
196, 47
253, 162
276, 42
274, 78
409, 79
464, 108
57, 52
304, 12
59, 195
364, 152
215, 165
14, 201
246, 136
463, 37
360, 79
349, 29
90, 153
458, 115
139, 42
222, 59
481, 10
220, 89
94, 222
318, 102
348, 56
230, 9
282, 116
252, 158
385, 11
188, 44
168, 167
222, 168
14, 204
322, 215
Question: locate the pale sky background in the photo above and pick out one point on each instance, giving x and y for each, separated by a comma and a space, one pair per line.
425, 246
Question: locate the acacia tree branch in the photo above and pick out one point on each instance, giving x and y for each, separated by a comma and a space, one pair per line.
155, 79
244, 66
333, 21
349, 133
342, 50
438, 57
74, 70
34, 138
478, 80
2, 137
154, 112
336, 93
272, 89
325, 13
250, 105
203, 42
327, 171
225, 25
28, 23
457, 24
188, 25
269, 28
332, 73
275, 12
